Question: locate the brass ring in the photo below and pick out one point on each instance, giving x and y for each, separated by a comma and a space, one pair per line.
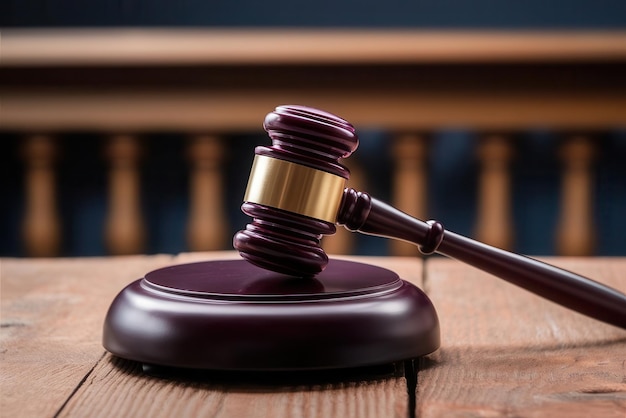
295, 188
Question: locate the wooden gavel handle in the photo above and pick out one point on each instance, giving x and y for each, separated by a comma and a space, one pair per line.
360, 212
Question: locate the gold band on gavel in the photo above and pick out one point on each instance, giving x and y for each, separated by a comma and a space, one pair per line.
294, 188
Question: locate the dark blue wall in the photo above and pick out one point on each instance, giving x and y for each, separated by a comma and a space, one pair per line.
321, 13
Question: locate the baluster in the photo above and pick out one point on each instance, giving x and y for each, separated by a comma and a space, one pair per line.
494, 225
409, 183
124, 228
207, 225
343, 241
41, 227
575, 231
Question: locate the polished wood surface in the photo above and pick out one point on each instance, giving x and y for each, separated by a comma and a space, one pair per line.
504, 351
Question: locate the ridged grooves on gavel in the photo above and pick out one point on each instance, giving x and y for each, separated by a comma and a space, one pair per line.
283, 241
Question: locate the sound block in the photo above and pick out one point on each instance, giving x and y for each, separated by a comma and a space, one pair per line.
231, 315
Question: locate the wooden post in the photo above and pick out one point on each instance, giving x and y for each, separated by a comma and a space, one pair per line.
42, 226
410, 188
124, 228
207, 225
575, 232
494, 224
343, 241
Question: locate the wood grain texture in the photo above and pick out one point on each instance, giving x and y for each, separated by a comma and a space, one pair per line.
118, 388
506, 352
52, 314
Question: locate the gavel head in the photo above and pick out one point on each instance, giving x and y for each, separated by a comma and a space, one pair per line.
295, 189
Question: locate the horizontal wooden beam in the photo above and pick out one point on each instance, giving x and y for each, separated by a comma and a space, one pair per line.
239, 111
122, 47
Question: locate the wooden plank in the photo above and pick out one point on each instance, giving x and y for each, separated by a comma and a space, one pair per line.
52, 313
118, 388
291, 46
236, 110
550, 361
506, 352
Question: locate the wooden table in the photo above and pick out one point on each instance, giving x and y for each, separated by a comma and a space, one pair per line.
504, 352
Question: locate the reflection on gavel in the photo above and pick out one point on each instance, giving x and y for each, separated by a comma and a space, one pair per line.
296, 194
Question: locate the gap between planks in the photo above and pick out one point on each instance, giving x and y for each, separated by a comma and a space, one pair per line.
79, 385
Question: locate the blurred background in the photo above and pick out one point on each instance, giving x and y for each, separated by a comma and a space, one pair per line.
130, 126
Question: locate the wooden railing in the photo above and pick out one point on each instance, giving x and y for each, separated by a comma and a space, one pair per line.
211, 83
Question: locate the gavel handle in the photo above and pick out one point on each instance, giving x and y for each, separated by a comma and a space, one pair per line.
362, 213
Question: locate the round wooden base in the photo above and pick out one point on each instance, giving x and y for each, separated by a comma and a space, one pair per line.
231, 315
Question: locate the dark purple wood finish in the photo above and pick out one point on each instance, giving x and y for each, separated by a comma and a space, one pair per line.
359, 212
282, 241
310, 137
288, 242
231, 315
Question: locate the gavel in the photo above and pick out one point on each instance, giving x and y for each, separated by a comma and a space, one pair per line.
296, 194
